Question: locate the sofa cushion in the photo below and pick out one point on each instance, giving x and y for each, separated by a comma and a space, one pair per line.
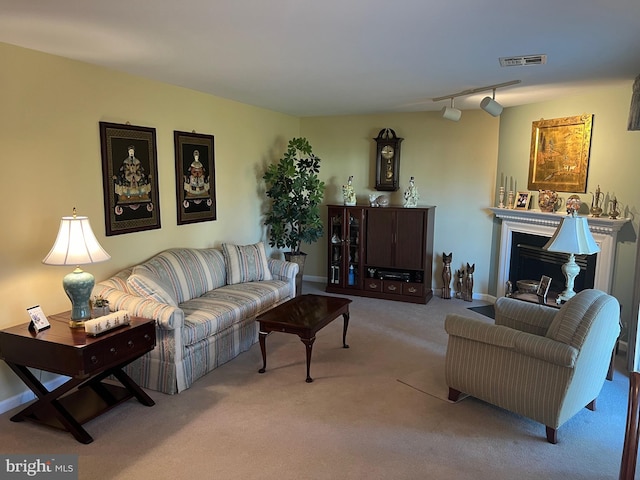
246, 263
146, 283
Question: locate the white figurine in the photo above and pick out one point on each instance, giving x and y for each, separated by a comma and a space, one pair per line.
349, 193
411, 195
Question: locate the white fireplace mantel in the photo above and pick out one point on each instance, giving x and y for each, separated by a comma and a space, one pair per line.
535, 222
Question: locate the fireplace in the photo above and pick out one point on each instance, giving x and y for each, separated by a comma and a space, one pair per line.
531, 229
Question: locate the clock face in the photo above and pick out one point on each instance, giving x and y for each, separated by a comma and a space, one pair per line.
387, 152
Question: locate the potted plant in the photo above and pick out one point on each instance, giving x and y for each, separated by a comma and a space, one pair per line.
296, 193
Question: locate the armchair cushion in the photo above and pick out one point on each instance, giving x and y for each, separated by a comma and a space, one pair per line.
246, 263
147, 284
524, 316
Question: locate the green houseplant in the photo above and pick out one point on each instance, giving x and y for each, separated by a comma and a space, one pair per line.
296, 193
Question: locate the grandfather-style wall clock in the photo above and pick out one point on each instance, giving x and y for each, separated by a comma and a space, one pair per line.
387, 160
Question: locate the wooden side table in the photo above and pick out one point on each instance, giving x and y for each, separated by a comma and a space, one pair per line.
87, 360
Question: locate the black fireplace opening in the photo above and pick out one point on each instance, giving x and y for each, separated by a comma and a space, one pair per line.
530, 262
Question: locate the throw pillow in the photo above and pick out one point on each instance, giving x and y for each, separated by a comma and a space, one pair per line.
245, 263
149, 285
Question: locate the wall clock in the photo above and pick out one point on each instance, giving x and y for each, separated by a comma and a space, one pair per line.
387, 160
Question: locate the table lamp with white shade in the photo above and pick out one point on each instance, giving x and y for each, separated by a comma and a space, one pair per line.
77, 245
573, 237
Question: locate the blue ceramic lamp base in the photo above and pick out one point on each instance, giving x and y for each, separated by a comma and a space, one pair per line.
78, 286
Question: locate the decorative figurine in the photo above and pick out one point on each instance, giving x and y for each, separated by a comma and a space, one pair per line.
468, 283
411, 195
596, 209
348, 193
459, 283
613, 211
446, 275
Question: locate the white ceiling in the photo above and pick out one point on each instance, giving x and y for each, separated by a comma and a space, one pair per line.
333, 57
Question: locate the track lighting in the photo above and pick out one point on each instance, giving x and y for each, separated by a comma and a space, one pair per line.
490, 105
451, 113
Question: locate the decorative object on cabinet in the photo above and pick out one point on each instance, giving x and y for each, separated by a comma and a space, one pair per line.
613, 209
383, 252
348, 192
573, 237
77, 245
596, 209
522, 201
446, 275
296, 193
130, 178
387, 160
547, 200
411, 195
99, 306
195, 177
559, 158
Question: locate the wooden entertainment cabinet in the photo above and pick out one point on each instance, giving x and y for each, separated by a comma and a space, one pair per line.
381, 252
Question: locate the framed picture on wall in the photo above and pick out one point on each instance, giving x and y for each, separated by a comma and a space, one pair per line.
559, 157
195, 177
130, 178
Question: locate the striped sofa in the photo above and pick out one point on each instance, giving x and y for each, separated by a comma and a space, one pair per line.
204, 301
537, 361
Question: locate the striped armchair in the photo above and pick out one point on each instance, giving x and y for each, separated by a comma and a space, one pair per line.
536, 361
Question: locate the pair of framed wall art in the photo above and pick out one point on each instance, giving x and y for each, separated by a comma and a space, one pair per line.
130, 178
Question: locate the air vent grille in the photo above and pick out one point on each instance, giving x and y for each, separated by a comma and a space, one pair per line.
523, 60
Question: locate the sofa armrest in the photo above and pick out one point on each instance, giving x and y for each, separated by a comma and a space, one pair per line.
166, 316
524, 316
284, 271
527, 344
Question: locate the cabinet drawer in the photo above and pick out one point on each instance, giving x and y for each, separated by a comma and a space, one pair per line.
392, 286
373, 284
413, 289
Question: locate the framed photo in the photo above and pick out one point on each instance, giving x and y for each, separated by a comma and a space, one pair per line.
39, 320
130, 178
195, 177
543, 288
559, 157
522, 201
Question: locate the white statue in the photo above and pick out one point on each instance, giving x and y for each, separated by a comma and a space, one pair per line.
348, 193
411, 195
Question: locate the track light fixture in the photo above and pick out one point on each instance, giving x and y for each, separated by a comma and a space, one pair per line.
451, 113
488, 104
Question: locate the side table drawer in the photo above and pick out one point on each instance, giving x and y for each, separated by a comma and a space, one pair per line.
412, 289
130, 343
392, 286
373, 284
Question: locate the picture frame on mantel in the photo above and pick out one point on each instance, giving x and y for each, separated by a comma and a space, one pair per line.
195, 177
559, 157
129, 178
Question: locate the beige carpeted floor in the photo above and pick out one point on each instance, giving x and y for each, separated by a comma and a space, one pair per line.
377, 410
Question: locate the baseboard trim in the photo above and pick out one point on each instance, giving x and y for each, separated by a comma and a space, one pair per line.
27, 395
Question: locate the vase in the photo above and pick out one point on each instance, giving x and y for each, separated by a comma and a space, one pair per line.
298, 258
547, 200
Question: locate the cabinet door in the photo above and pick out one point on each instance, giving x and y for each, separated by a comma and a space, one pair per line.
380, 237
410, 242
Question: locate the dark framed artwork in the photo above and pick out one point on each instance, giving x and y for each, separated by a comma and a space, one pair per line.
130, 178
195, 177
559, 157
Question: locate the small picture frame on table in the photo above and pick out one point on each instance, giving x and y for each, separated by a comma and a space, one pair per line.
521, 201
543, 288
39, 320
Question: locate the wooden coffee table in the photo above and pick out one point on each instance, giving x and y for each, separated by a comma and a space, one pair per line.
303, 316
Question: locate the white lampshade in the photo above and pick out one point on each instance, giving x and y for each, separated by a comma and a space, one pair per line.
573, 236
76, 244
490, 106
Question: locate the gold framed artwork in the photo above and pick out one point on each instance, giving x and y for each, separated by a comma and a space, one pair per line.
522, 201
559, 158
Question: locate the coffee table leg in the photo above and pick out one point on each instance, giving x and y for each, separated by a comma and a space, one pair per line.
344, 330
263, 348
309, 344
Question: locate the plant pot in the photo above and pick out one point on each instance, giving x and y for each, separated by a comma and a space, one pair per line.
299, 259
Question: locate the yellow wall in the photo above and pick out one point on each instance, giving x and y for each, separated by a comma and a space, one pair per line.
50, 149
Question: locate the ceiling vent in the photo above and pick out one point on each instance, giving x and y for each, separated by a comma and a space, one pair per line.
523, 60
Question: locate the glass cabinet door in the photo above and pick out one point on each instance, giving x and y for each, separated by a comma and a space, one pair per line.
344, 247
